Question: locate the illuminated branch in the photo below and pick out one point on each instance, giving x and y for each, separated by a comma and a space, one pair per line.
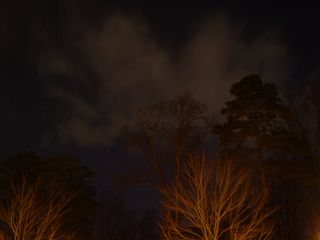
215, 202
34, 214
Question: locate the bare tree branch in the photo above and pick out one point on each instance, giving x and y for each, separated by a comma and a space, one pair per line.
32, 213
215, 202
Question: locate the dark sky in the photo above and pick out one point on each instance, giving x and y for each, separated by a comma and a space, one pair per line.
74, 72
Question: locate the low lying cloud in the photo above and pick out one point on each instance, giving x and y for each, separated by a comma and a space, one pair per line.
118, 68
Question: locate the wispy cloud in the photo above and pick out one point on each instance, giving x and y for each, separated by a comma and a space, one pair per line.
120, 67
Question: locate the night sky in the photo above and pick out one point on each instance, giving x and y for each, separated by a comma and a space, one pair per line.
73, 73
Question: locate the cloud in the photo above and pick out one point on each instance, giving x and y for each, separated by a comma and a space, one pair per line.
120, 67
219, 55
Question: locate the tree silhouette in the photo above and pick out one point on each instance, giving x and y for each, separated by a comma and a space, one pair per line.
265, 131
219, 201
268, 133
257, 119
310, 112
169, 131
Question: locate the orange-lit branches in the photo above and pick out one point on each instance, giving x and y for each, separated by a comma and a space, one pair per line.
213, 202
33, 212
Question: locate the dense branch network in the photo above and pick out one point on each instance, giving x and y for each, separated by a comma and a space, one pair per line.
215, 202
34, 214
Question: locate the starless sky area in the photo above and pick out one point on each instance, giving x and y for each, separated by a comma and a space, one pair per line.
73, 73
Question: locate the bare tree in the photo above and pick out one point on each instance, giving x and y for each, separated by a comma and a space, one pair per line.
35, 212
213, 202
169, 131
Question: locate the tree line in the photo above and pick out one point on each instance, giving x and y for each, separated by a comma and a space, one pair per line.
261, 182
